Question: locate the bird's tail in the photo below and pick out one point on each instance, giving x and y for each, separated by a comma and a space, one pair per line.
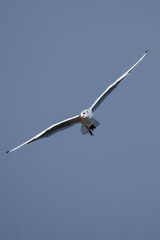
89, 129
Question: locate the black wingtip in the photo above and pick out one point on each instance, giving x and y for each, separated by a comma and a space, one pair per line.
146, 51
7, 152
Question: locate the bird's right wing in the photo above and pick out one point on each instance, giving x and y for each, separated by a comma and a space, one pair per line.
108, 90
51, 130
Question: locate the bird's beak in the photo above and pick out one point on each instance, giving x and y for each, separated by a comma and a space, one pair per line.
81, 117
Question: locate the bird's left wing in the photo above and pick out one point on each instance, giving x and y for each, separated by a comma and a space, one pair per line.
51, 130
113, 86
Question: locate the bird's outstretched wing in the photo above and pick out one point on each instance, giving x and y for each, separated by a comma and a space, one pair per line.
113, 86
51, 130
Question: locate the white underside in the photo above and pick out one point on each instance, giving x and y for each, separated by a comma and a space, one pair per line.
87, 124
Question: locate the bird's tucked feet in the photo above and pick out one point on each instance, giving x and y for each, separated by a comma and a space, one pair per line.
92, 127
91, 133
89, 130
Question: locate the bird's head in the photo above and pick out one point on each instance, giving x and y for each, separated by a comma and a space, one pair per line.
87, 113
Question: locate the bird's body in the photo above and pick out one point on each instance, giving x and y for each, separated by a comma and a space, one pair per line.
86, 117
88, 122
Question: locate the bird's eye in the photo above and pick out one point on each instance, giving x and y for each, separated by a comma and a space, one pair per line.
84, 113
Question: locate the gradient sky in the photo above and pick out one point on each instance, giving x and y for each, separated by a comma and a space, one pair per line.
56, 58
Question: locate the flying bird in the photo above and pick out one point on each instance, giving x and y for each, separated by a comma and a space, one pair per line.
86, 117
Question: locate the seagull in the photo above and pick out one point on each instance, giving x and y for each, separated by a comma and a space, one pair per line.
86, 117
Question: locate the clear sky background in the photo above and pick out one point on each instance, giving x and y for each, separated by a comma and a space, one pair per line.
56, 58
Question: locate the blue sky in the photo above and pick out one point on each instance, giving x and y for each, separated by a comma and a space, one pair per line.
57, 57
